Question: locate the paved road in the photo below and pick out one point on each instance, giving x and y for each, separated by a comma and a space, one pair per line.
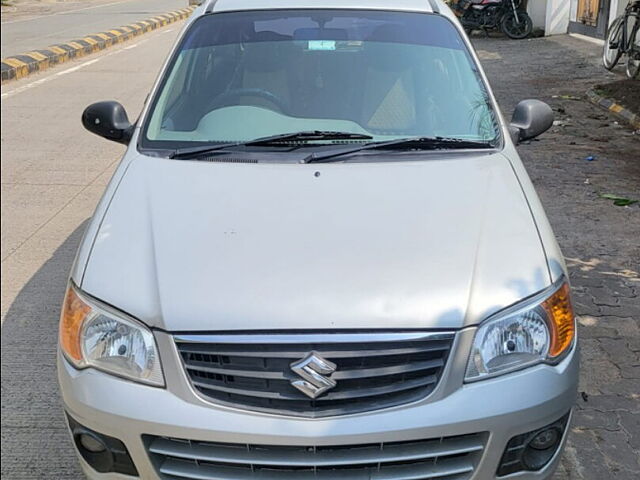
599, 240
67, 21
53, 173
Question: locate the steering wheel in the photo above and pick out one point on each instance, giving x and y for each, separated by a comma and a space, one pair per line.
224, 98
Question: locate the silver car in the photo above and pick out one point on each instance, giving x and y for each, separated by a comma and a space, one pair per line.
320, 258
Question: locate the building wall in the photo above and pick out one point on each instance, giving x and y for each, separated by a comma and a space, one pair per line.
554, 15
617, 9
573, 13
557, 16
537, 10
558, 13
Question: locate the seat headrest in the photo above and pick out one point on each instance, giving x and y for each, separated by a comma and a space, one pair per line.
265, 52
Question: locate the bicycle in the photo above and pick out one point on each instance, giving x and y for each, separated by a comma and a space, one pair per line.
619, 41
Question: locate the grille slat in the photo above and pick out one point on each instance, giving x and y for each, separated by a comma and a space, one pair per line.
239, 373
448, 458
375, 372
355, 393
444, 471
294, 354
256, 372
346, 374
359, 455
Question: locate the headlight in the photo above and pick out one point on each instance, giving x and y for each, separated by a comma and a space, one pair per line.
541, 329
95, 335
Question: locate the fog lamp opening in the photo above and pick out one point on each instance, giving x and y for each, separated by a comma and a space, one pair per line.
91, 443
545, 439
541, 448
101, 452
93, 450
533, 450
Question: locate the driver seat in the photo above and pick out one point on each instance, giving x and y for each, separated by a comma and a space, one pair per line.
264, 67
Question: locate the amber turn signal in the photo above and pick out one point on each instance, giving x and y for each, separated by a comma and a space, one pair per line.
562, 320
74, 312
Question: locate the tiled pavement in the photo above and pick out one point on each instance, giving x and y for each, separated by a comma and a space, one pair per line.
601, 241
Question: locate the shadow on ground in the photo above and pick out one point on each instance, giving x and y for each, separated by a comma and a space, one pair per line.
35, 442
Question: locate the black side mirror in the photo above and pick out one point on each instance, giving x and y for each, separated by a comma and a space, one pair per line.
109, 120
530, 119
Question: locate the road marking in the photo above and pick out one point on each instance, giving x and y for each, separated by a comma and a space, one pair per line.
31, 85
51, 77
61, 13
65, 72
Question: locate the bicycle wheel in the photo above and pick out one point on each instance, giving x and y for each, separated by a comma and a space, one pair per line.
633, 55
612, 52
517, 28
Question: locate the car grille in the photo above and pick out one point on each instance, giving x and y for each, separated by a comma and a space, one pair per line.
447, 458
372, 371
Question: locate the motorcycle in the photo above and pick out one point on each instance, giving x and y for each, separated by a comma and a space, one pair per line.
503, 15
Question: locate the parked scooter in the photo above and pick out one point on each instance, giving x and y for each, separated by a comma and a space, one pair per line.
504, 15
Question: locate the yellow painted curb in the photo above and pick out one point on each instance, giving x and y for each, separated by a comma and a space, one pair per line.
19, 66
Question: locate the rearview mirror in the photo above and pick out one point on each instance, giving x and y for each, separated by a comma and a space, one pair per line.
530, 119
109, 120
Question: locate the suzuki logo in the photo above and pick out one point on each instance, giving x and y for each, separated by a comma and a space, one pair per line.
314, 371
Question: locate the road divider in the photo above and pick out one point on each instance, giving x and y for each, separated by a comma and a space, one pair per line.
616, 109
19, 66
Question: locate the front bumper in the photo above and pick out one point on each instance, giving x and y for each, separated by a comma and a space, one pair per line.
504, 407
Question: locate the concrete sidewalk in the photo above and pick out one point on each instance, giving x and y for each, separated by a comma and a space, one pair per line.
53, 173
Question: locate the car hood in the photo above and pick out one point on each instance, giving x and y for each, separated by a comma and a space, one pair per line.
200, 246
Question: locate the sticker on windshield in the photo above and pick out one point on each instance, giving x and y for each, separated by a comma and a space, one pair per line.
322, 45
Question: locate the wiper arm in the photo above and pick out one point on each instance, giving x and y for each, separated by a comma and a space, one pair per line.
271, 140
412, 143
195, 151
309, 136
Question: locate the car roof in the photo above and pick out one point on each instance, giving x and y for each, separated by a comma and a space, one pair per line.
425, 6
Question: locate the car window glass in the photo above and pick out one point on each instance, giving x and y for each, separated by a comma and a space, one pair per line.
240, 76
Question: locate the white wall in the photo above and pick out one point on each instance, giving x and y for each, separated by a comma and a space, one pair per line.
554, 15
616, 9
557, 17
573, 14
537, 10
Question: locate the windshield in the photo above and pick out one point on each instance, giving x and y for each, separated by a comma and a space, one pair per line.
244, 75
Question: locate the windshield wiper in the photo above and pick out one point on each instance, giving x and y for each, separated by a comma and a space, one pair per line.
412, 143
271, 140
309, 136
